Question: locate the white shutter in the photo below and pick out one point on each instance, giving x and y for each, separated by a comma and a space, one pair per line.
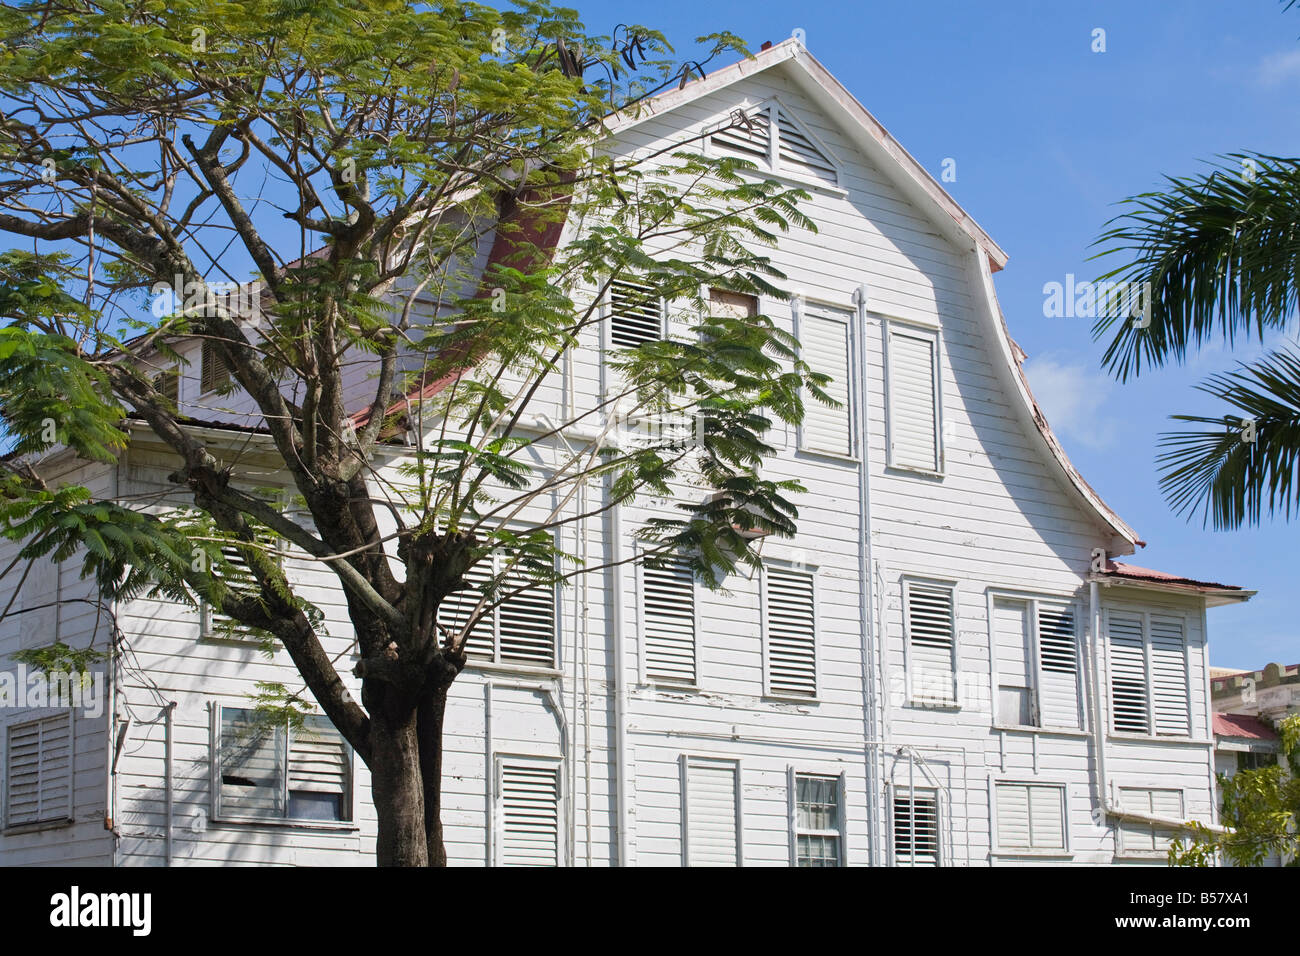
636, 313
1030, 816
711, 826
1011, 633
824, 346
913, 401
668, 621
916, 841
530, 814
456, 607
1145, 838
319, 780
799, 152
931, 642
38, 771
791, 633
38, 622
1128, 679
752, 142
526, 623
1058, 658
1169, 676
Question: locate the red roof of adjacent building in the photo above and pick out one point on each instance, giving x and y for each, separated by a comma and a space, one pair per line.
1242, 725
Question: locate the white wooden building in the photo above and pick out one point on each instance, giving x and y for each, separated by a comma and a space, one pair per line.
943, 668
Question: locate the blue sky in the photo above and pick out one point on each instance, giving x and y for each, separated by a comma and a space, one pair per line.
1047, 136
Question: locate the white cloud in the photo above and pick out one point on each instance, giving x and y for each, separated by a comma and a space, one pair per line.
1072, 396
1276, 68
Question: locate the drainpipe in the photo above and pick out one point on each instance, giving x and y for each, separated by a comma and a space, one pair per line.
620, 682
866, 591
168, 710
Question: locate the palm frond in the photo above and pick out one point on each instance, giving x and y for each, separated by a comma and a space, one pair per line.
1217, 254
1241, 465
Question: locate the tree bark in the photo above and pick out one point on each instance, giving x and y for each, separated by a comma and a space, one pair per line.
398, 791
430, 722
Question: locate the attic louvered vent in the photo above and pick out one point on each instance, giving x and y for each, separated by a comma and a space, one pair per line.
530, 814
771, 137
519, 631
636, 313
38, 771
916, 834
931, 642
791, 634
668, 622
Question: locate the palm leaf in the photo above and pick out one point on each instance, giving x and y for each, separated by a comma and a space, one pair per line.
1218, 253
1242, 465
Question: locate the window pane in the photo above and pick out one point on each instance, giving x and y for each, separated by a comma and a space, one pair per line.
250, 765
819, 850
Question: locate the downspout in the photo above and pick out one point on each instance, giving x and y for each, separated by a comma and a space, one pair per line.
168, 710
620, 689
866, 591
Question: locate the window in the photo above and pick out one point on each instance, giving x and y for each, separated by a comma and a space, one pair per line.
1148, 674
1037, 663
38, 771
912, 358
818, 820
637, 314
519, 631
214, 373
789, 632
1254, 760
1031, 816
825, 344
712, 798
771, 137
266, 770
668, 622
916, 828
1143, 839
732, 305
213, 625
528, 808
929, 626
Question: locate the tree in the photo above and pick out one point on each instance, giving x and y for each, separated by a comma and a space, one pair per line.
1261, 813
307, 177
1216, 254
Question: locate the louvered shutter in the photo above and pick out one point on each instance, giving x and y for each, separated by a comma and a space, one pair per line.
527, 624
319, 777
791, 633
1169, 677
241, 580
916, 840
824, 345
931, 643
1146, 838
798, 153
1128, 679
530, 815
711, 828
1030, 817
636, 313
168, 384
38, 771
913, 404
668, 621
1011, 633
1013, 816
751, 141
456, 608
213, 373
1058, 658
250, 765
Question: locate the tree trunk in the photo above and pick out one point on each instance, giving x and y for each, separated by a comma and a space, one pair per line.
398, 792
432, 708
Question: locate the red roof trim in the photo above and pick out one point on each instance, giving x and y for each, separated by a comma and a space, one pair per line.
1242, 725
1134, 573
